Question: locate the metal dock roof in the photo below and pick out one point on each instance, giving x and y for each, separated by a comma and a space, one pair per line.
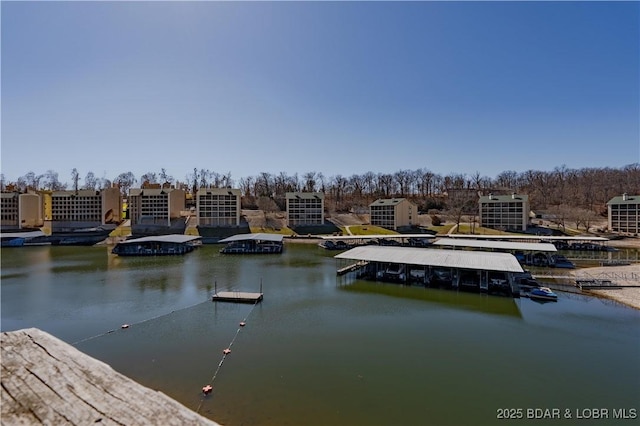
526, 237
172, 238
256, 237
503, 245
374, 236
23, 234
482, 260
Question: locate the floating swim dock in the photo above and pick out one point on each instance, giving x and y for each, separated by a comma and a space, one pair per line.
237, 297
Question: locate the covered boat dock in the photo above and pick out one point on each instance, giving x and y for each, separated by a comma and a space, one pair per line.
527, 253
157, 245
259, 243
343, 242
479, 271
589, 243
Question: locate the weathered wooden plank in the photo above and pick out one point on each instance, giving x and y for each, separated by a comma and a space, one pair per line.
46, 381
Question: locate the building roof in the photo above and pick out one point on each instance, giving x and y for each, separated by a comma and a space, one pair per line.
502, 245
219, 191
625, 199
388, 202
478, 260
374, 237
503, 198
152, 191
317, 195
78, 193
171, 238
256, 237
527, 237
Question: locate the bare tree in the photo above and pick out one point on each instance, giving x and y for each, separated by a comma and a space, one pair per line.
51, 181
32, 181
507, 181
385, 185
403, 179
148, 177
90, 181
164, 177
125, 181
309, 182
561, 213
75, 178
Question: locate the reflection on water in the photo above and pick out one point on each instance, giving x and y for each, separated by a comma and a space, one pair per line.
452, 299
317, 352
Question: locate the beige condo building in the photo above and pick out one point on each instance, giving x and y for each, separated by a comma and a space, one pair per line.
504, 212
305, 208
393, 213
624, 213
85, 207
218, 207
155, 204
21, 211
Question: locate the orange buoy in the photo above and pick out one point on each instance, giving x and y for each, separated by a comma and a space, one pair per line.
242, 324
125, 325
226, 351
207, 389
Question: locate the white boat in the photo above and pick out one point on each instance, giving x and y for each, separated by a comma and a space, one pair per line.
543, 293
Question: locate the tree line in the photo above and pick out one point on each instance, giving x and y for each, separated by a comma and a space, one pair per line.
585, 188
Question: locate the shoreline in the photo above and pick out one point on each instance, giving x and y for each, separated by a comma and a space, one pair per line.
628, 296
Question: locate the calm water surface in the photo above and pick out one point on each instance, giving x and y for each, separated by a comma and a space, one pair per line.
320, 351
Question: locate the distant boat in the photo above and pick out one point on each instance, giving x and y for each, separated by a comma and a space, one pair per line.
543, 294
559, 261
335, 245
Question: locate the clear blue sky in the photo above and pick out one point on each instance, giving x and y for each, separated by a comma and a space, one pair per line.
337, 88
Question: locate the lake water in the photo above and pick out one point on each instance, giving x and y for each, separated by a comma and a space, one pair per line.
321, 351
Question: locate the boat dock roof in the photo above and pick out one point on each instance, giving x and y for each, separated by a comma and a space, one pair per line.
23, 234
172, 238
255, 237
526, 237
500, 245
479, 260
372, 237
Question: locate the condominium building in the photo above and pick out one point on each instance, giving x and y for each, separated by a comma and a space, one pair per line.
218, 206
504, 212
155, 205
21, 211
393, 213
85, 208
305, 208
624, 213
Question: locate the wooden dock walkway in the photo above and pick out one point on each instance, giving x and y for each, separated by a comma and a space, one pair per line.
352, 267
599, 284
237, 297
603, 280
46, 381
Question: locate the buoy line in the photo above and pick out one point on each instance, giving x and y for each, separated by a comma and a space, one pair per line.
125, 326
207, 389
